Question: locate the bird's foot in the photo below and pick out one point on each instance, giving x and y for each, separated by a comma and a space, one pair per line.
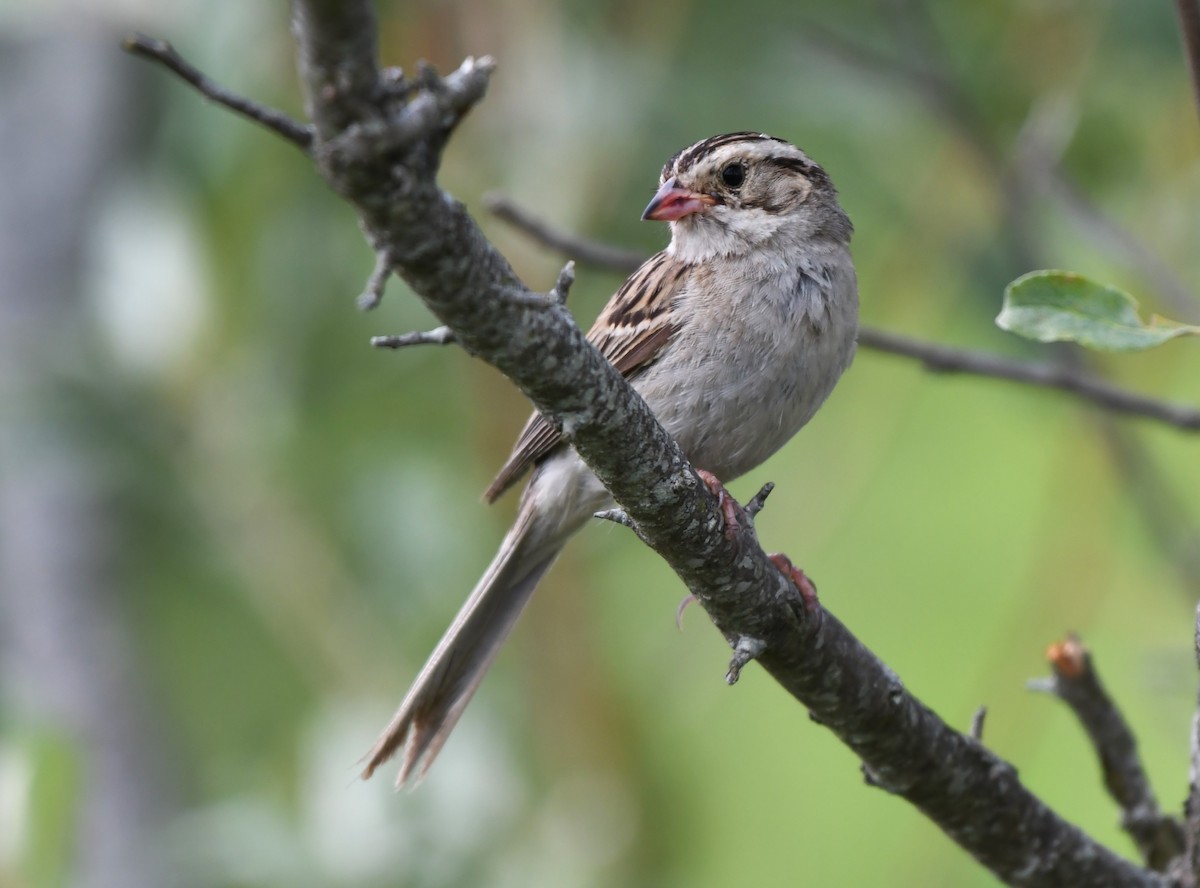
808, 590
732, 513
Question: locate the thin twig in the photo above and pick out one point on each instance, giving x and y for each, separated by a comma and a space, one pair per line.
759, 501
1075, 681
373, 294
934, 356
1191, 807
617, 516
1189, 25
436, 336
566, 280
945, 359
160, 51
977, 721
744, 650
581, 249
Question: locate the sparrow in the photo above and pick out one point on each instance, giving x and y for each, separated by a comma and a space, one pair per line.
734, 335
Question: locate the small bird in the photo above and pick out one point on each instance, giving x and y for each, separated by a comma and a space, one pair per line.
734, 335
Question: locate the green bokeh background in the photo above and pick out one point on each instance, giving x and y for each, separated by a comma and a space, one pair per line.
290, 519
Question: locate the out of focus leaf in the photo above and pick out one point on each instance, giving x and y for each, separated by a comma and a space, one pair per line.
54, 796
1052, 306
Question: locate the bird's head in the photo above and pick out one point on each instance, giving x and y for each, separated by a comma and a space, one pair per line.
731, 194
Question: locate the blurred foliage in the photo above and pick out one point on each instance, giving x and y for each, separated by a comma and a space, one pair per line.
296, 517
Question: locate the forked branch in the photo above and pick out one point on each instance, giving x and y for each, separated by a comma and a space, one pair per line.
1075, 681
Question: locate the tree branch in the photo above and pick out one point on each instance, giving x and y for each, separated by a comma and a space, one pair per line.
943, 359
1191, 808
582, 250
1189, 26
1075, 681
380, 153
939, 358
160, 51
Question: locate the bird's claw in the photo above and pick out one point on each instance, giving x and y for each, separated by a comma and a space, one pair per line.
731, 512
683, 605
806, 587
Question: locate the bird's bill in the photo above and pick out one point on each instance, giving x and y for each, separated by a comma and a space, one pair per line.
672, 202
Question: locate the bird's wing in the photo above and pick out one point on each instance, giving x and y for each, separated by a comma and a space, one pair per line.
631, 332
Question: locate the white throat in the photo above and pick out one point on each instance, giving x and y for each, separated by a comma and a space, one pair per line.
723, 235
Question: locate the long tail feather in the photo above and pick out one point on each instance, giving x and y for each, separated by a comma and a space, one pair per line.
445, 686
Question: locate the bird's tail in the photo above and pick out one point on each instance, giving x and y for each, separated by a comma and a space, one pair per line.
456, 667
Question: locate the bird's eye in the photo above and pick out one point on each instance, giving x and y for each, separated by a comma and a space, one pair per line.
734, 175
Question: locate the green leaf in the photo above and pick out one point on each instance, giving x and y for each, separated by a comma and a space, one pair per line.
1051, 306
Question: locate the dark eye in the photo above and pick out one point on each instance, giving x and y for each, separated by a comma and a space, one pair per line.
734, 175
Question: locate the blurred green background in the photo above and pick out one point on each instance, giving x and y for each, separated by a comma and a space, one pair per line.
230, 532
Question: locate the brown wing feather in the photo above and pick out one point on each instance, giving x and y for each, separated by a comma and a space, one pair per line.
536, 440
631, 332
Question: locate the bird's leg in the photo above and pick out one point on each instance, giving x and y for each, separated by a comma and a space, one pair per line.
732, 513
808, 590
734, 517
